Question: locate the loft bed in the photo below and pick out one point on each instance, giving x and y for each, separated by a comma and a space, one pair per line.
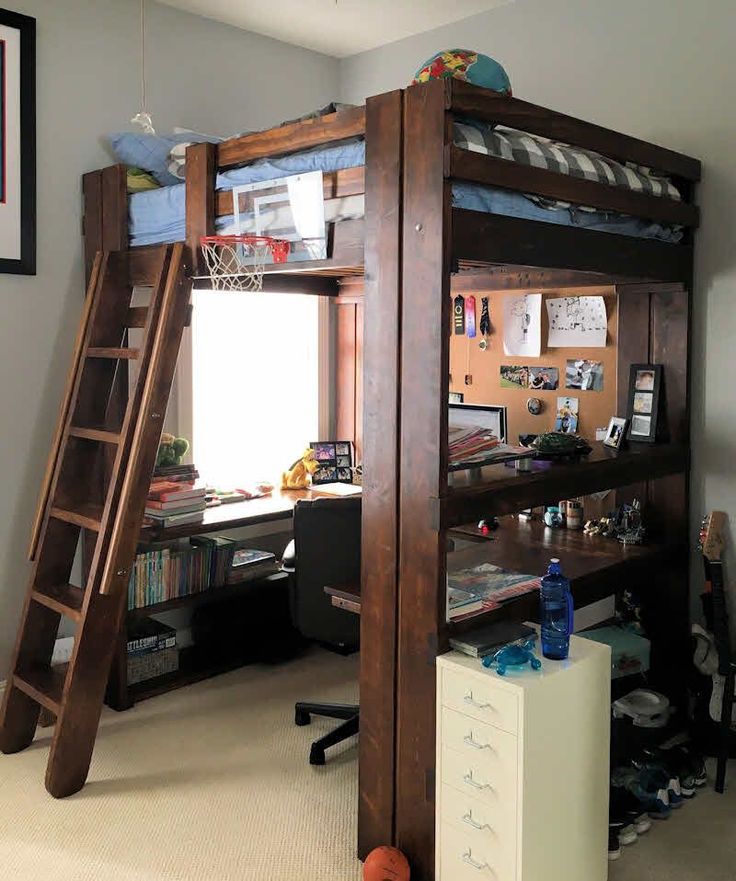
615, 185
416, 241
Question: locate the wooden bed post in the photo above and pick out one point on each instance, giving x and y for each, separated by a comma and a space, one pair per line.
201, 165
105, 212
380, 518
423, 465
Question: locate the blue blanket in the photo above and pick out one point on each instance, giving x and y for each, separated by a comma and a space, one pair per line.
158, 216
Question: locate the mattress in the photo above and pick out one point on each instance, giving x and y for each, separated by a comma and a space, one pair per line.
157, 216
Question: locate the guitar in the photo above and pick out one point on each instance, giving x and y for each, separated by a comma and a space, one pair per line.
716, 611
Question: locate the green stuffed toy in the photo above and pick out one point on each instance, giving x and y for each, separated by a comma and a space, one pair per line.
171, 450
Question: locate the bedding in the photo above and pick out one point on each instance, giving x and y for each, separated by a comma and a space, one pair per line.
159, 215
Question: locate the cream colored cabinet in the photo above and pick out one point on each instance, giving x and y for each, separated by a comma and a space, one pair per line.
522, 769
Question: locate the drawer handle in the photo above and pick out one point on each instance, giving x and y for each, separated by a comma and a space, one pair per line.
469, 699
471, 741
468, 778
468, 818
468, 858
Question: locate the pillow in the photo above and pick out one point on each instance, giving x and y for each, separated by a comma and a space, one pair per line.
138, 181
151, 152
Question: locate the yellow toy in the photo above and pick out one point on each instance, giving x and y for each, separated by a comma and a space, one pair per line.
298, 476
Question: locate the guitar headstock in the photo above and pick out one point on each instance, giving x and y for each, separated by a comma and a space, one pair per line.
711, 535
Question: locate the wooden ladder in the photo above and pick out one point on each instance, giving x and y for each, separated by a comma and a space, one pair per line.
94, 491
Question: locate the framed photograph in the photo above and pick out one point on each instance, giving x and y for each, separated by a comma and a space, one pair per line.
615, 432
645, 385
17, 143
335, 460
457, 397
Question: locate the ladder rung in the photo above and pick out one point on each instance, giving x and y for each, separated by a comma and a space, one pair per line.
87, 515
114, 354
45, 686
95, 434
66, 599
137, 316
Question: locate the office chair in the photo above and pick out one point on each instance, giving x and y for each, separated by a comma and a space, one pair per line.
325, 551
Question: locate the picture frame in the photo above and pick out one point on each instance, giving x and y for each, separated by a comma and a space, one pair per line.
645, 384
335, 460
615, 433
17, 143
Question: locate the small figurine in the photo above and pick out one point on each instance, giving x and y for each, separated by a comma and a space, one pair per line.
514, 657
298, 475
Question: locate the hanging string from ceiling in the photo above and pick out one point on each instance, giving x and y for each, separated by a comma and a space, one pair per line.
143, 117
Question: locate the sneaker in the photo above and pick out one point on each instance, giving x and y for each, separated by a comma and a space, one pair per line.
614, 848
625, 806
653, 797
659, 775
686, 764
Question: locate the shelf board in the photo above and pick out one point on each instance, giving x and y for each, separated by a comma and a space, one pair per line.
497, 489
596, 566
202, 597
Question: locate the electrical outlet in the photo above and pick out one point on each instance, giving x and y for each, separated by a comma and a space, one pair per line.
63, 650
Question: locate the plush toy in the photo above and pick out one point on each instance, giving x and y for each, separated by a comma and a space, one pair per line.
465, 64
386, 864
171, 450
297, 477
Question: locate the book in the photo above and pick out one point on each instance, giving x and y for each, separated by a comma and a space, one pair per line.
250, 557
183, 506
171, 491
485, 640
251, 573
461, 603
492, 584
171, 519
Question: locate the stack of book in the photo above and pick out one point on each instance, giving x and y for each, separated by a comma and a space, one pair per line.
483, 588
177, 501
248, 564
473, 446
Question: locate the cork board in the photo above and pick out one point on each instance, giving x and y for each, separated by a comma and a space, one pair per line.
595, 407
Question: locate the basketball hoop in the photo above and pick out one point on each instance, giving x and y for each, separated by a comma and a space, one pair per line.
236, 263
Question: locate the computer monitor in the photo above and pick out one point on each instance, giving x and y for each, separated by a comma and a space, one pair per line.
484, 415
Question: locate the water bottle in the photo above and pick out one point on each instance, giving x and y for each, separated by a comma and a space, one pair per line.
556, 613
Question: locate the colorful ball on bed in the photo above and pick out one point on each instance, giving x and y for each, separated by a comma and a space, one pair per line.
464, 64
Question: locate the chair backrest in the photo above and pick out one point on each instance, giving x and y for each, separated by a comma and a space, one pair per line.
327, 545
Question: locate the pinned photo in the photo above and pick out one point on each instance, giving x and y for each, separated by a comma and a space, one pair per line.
641, 426
584, 375
643, 402
566, 420
514, 376
544, 378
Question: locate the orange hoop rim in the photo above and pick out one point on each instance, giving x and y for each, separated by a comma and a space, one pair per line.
279, 248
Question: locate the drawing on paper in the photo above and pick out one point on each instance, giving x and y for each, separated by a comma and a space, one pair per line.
522, 332
577, 321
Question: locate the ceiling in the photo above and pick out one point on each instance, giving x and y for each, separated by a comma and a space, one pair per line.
337, 27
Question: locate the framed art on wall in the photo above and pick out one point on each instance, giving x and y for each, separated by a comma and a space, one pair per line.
17, 143
645, 383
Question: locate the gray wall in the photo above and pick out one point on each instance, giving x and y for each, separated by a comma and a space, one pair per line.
662, 70
201, 75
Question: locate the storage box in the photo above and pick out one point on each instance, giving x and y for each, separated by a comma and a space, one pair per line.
152, 650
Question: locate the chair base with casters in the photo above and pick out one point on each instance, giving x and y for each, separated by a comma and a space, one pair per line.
349, 712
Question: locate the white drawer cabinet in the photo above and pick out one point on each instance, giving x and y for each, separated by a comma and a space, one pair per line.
522, 769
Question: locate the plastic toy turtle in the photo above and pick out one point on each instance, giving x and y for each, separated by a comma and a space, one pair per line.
514, 657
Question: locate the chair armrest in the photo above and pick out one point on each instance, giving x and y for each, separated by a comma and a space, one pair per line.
288, 559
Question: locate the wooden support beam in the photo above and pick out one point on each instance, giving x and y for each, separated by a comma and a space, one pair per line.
200, 197
428, 223
380, 516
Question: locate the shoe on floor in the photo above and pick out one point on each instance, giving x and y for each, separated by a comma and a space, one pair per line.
652, 796
626, 807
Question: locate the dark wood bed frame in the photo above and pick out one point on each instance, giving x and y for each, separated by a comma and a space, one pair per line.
408, 252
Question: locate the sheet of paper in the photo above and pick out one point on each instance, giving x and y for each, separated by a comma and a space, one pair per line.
522, 325
577, 322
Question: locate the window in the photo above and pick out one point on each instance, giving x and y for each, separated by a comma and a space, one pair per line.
257, 371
